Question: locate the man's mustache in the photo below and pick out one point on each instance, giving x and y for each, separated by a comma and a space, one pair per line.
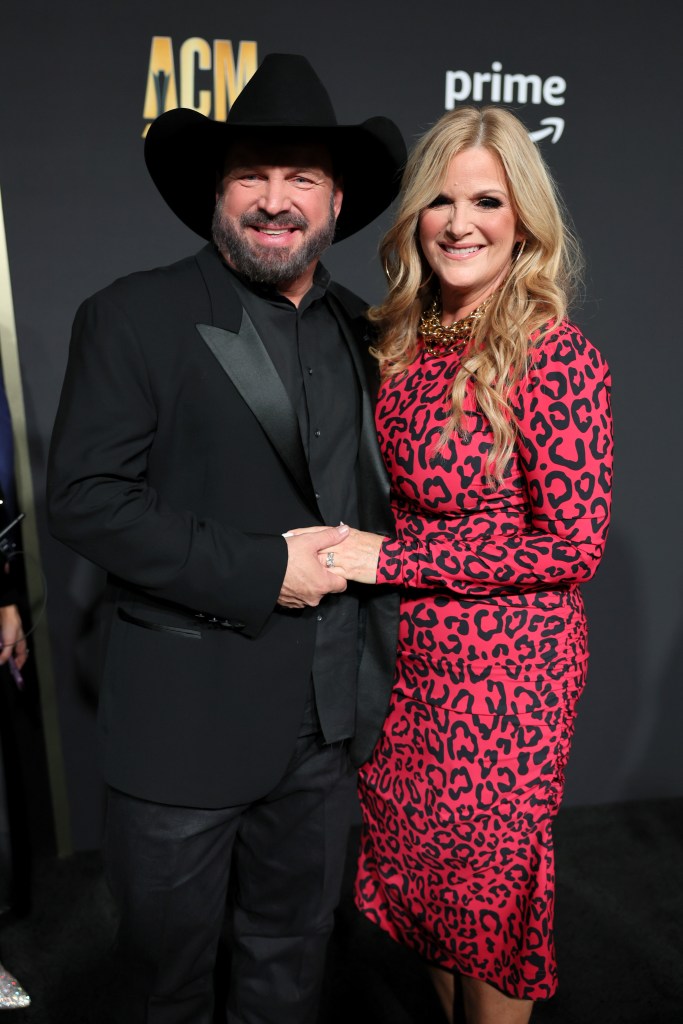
261, 219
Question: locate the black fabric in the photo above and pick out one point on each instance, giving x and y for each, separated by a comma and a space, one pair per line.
183, 501
619, 929
380, 613
311, 355
168, 869
244, 359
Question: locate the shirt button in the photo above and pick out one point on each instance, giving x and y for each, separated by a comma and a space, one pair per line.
317, 433
317, 495
319, 618
310, 370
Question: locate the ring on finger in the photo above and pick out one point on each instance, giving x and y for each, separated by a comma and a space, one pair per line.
329, 559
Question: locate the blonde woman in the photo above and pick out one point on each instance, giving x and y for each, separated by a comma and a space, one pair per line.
495, 427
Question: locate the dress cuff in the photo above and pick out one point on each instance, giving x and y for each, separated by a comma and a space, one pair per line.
395, 565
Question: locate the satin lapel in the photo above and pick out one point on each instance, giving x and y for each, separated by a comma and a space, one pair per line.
244, 359
373, 483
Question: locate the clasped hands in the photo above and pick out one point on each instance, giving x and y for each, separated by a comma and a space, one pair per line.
309, 576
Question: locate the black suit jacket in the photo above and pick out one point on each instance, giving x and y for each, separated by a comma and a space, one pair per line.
176, 464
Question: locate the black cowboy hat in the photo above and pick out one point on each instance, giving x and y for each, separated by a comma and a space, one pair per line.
284, 100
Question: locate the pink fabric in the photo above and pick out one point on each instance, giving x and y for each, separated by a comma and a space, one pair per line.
459, 795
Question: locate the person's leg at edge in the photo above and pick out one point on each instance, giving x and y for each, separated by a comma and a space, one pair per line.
444, 984
484, 1004
473, 1001
168, 868
289, 860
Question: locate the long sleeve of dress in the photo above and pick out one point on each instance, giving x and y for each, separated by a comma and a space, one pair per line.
552, 532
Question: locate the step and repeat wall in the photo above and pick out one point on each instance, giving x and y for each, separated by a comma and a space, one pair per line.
599, 89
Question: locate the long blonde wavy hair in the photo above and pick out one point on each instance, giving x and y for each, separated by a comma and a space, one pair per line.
533, 297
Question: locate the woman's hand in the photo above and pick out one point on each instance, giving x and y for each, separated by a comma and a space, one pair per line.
354, 559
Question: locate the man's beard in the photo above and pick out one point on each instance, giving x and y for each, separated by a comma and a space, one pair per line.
264, 265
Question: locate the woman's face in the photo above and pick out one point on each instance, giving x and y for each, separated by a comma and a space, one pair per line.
468, 232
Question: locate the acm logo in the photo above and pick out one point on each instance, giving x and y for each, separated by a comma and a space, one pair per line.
495, 87
206, 77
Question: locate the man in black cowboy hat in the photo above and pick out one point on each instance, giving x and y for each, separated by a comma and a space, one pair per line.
209, 407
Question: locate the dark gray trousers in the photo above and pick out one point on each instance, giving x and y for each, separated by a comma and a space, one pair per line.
168, 869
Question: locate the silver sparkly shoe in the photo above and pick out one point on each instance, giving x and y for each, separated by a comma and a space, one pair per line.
12, 995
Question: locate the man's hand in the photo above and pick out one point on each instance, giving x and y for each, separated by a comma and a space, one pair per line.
306, 581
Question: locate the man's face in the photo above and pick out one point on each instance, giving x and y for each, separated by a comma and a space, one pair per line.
276, 210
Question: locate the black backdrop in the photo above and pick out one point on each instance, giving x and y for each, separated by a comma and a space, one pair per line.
80, 210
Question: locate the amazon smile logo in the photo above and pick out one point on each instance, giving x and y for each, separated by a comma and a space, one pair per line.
495, 87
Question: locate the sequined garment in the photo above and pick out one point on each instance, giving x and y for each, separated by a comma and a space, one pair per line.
12, 995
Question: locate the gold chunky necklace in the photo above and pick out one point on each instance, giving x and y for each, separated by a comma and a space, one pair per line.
440, 340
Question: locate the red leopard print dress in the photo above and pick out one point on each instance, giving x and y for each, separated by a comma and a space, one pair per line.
458, 798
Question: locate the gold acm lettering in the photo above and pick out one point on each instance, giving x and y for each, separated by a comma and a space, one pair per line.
195, 55
229, 78
161, 92
209, 78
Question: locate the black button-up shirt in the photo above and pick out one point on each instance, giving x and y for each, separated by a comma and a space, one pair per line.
311, 356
